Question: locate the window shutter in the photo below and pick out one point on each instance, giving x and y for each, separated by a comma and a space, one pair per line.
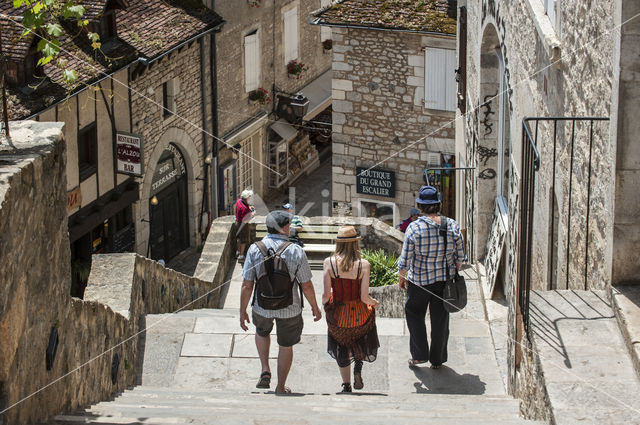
251, 62
450, 80
434, 78
325, 32
462, 60
290, 35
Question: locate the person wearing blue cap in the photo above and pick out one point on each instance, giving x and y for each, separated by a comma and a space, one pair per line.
423, 268
296, 225
413, 216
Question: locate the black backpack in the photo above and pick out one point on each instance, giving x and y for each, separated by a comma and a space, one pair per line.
274, 286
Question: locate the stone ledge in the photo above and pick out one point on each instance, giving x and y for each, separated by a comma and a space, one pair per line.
626, 306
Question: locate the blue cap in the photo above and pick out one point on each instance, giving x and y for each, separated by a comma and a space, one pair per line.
428, 195
287, 206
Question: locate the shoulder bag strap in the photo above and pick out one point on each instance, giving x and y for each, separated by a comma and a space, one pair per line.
444, 224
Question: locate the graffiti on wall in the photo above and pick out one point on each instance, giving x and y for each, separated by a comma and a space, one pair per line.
491, 9
488, 111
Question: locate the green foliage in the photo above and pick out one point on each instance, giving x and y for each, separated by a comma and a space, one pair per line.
384, 267
41, 17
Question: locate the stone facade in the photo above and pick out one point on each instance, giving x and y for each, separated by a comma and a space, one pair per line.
187, 69
520, 64
97, 348
240, 121
378, 114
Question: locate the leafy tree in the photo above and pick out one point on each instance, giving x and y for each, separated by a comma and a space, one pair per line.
42, 18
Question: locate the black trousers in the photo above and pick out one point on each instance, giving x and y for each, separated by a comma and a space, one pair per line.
415, 308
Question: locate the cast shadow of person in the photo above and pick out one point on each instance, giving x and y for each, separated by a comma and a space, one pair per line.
446, 381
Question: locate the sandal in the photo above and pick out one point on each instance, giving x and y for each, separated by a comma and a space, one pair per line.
265, 380
286, 390
346, 387
413, 362
357, 381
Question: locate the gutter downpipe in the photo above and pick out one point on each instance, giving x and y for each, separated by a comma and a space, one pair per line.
213, 65
205, 142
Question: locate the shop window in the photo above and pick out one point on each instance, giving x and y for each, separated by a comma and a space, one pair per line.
440, 79
252, 62
290, 35
87, 151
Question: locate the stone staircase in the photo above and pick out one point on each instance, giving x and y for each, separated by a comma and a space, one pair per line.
199, 367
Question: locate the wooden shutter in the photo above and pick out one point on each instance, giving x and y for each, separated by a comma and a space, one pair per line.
290, 35
450, 80
325, 32
434, 77
251, 62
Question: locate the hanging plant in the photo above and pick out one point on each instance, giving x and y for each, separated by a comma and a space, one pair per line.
327, 44
254, 3
295, 69
259, 95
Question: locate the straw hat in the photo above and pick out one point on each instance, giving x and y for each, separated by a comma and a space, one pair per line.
347, 234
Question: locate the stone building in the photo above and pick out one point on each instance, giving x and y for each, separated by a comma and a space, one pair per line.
260, 146
394, 103
548, 91
115, 125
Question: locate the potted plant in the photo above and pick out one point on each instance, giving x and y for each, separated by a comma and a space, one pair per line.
295, 69
327, 45
259, 95
254, 3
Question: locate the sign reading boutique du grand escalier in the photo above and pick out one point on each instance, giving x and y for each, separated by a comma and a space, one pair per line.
376, 182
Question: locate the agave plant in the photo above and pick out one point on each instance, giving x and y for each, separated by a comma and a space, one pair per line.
384, 267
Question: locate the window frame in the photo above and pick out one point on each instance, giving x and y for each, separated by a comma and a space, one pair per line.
168, 98
87, 143
504, 141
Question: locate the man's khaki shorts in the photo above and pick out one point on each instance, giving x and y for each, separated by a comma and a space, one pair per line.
288, 331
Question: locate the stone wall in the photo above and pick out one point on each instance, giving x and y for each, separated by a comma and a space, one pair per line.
183, 129
97, 350
378, 92
547, 72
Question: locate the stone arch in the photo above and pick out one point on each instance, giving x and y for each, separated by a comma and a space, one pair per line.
487, 151
189, 151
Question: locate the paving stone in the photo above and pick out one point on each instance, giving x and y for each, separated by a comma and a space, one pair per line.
206, 345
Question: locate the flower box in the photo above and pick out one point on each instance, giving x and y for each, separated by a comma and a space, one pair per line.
295, 69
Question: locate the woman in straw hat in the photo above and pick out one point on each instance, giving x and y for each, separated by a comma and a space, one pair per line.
352, 336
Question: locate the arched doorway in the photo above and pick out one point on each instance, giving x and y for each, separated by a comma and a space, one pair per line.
169, 233
494, 141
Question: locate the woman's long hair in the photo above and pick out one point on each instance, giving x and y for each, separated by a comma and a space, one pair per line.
349, 253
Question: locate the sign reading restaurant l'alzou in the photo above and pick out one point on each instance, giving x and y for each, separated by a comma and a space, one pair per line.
129, 153
376, 182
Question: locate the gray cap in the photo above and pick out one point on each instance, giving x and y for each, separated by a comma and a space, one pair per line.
276, 220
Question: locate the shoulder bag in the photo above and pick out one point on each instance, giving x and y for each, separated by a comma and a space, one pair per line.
455, 290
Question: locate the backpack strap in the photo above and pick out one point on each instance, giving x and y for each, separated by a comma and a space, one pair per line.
282, 247
278, 253
332, 269
263, 249
444, 226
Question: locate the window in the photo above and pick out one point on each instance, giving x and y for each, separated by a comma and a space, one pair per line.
504, 141
552, 9
440, 79
251, 62
168, 98
108, 25
290, 35
245, 164
87, 151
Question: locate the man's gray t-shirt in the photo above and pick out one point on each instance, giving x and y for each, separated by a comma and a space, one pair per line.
298, 267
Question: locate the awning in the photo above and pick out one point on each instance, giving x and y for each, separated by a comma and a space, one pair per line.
319, 94
284, 129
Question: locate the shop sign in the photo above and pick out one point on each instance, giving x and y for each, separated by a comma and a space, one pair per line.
74, 199
170, 168
376, 182
129, 153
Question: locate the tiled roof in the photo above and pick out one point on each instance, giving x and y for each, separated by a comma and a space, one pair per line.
437, 16
146, 28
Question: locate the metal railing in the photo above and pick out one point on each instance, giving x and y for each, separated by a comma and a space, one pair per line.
531, 164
